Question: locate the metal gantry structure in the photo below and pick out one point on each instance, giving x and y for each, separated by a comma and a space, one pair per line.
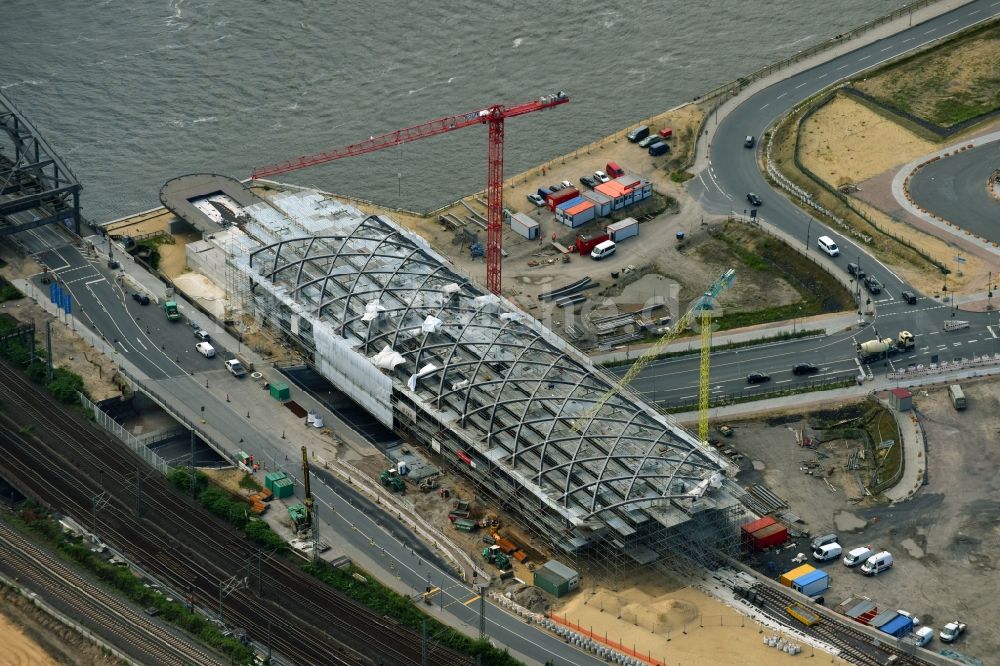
36, 187
493, 116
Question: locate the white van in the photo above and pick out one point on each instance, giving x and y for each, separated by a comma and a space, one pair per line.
602, 250
205, 349
877, 563
856, 556
827, 552
827, 245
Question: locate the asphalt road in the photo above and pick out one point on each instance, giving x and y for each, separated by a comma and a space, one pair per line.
733, 172
955, 188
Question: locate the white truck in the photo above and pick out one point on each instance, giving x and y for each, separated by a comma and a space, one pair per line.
877, 349
234, 366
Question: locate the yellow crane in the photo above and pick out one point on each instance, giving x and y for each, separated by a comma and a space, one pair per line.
700, 308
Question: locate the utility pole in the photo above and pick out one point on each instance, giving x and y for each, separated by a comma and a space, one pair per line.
193, 478
138, 492
482, 612
98, 502
48, 349
423, 644
227, 587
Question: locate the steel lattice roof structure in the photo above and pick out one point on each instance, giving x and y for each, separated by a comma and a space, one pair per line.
391, 323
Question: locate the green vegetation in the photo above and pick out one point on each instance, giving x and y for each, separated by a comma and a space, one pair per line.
233, 510
871, 423
383, 600
38, 520
65, 385
681, 176
8, 292
250, 483
950, 84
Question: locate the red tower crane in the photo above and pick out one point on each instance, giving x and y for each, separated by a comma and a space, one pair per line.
493, 116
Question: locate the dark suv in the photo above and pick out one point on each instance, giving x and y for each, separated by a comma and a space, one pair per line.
856, 271
804, 369
873, 285
753, 199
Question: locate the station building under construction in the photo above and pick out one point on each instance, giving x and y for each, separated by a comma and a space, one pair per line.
469, 375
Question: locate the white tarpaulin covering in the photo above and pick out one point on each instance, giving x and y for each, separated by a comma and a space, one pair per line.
431, 325
426, 370
450, 288
387, 359
511, 316
487, 302
372, 310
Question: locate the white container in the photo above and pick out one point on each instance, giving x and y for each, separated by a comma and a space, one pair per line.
318, 421
311, 418
619, 231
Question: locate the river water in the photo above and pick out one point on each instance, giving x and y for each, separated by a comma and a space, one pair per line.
134, 92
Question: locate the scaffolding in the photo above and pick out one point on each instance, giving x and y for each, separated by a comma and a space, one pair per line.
473, 378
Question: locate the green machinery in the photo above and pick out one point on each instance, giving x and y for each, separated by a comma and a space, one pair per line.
494, 555
300, 516
170, 308
391, 479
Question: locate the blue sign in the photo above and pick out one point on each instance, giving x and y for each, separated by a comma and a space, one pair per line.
67, 304
52, 291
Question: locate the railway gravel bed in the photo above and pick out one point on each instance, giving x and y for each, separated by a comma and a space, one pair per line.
58, 458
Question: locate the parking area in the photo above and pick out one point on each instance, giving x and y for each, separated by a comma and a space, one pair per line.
944, 540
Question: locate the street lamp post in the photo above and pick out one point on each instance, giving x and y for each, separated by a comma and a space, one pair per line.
808, 231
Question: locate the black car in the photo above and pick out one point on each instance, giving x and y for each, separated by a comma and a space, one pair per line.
140, 298
804, 369
909, 297
856, 271
753, 199
589, 182
873, 285
757, 378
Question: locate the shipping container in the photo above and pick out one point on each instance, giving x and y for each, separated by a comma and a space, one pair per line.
283, 488
883, 618
575, 212
280, 391
812, 583
523, 225
465, 525
626, 228
555, 198
758, 524
270, 478
899, 626
584, 244
768, 537
787, 577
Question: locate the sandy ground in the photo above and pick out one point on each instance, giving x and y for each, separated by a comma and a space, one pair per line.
680, 626
846, 142
173, 259
967, 73
199, 288
32, 638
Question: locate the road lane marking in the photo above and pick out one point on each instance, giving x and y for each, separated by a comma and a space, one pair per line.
952, 21
956, 344
765, 106
801, 84
822, 76
972, 342
885, 49
930, 31
475, 598
782, 95
864, 58
842, 67
990, 328
973, 13
908, 39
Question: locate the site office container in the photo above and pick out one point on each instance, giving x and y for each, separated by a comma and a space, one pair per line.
766, 537
626, 228
789, 576
270, 478
576, 212
812, 583
602, 203
883, 618
863, 610
523, 225
758, 524
553, 199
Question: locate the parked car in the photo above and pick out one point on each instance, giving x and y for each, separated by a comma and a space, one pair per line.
822, 540
856, 556
827, 552
873, 285
754, 199
140, 298
856, 271
535, 199
749, 141
922, 636
565, 184
877, 563
648, 140
757, 378
909, 297
601, 177
205, 349
804, 369
202, 335
951, 631
557, 187
638, 133
588, 181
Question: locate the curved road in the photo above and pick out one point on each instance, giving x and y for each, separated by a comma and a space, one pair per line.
956, 189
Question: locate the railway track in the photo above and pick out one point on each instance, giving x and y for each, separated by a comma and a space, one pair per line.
855, 645
132, 631
309, 621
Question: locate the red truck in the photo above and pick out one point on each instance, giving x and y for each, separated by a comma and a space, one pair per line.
614, 170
